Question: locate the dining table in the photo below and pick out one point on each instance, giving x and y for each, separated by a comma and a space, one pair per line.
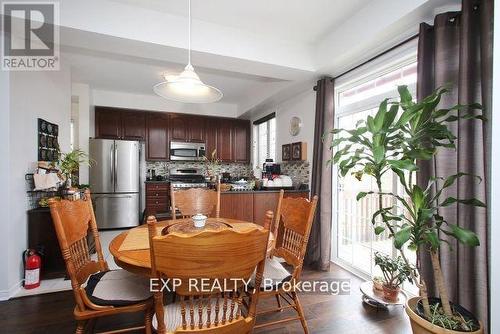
130, 249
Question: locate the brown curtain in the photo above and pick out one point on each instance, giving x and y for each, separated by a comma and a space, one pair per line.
318, 248
457, 50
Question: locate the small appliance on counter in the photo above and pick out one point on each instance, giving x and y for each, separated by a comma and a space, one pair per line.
270, 169
187, 178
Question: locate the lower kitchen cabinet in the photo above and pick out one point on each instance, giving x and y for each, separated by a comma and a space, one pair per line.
237, 206
252, 206
157, 197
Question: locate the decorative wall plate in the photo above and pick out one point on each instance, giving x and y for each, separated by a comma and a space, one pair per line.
295, 125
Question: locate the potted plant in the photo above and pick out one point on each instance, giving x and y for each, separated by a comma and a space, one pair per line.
395, 271
395, 139
211, 165
69, 163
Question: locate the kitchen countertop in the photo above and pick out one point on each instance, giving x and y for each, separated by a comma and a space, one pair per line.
151, 181
263, 191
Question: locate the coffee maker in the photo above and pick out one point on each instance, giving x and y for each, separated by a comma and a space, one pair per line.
270, 169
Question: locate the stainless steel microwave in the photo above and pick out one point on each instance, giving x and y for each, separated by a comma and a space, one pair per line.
187, 151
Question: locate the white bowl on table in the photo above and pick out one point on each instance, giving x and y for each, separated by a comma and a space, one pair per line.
199, 220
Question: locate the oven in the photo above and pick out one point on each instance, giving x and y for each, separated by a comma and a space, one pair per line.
182, 151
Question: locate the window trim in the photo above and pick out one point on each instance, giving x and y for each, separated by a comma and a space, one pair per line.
266, 119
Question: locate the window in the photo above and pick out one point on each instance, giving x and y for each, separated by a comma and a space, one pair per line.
353, 241
264, 139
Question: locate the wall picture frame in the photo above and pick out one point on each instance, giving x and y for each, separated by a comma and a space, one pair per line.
286, 151
299, 151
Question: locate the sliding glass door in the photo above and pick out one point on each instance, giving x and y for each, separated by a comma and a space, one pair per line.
353, 242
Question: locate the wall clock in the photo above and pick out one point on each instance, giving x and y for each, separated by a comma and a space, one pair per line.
295, 125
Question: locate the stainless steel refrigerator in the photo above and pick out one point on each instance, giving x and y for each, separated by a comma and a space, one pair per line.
115, 182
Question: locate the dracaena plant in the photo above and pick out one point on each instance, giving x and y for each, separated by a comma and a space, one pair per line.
399, 135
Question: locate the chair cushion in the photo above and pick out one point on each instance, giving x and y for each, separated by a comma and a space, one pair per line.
274, 275
173, 317
117, 288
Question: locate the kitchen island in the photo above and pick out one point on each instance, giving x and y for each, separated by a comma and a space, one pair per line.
252, 205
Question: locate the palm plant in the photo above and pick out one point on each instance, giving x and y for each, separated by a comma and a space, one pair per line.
69, 163
395, 139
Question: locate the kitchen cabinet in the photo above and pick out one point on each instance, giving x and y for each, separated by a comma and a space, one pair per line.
133, 125
197, 128
225, 140
237, 206
252, 206
179, 127
157, 197
211, 135
157, 140
108, 123
230, 137
116, 123
241, 141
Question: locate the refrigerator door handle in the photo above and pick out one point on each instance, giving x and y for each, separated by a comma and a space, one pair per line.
116, 165
113, 196
112, 164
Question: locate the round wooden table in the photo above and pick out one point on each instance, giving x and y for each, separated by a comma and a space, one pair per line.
138, 261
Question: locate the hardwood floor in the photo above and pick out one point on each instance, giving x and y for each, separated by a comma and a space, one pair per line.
53, 313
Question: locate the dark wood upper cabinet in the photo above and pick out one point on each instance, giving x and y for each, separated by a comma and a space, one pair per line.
197, 128
133, 125
211, 135
179, 127
108, 123
241, 141
157, 141
225, 139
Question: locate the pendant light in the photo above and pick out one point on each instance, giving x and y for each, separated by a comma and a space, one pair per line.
187, 86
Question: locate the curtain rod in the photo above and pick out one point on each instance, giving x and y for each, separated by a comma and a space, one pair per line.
377, 56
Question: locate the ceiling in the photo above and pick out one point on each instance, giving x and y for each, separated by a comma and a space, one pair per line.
295, 20
256, 52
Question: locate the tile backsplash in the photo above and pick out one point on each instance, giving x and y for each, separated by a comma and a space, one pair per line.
235, 169
299, 171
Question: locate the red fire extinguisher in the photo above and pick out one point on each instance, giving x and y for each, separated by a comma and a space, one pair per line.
32, 265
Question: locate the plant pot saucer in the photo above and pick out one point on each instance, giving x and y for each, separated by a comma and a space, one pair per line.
376, 298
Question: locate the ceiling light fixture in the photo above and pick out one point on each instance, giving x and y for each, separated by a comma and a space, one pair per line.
187, 86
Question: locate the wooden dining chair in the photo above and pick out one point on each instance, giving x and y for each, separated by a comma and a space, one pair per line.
214, 256
98, 291
195, 200
292, 226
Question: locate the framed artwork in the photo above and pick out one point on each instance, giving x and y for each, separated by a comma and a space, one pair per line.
299, 151
286, 152
48, 145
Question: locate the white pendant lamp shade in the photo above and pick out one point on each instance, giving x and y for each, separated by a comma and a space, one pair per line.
187, 86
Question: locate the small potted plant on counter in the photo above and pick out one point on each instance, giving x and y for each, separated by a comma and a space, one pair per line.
395, 271
400, 136
211, 165
69, 163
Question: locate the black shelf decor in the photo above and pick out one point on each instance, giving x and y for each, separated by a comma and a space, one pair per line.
48, 144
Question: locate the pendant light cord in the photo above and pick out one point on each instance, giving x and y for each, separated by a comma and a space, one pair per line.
189, 32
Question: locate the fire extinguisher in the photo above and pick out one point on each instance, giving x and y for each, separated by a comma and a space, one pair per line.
32, 265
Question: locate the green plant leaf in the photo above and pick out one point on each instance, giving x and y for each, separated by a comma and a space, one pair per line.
402, 236
403, 164
378, 154
465, 236
379, 230
472, 201
432, 239
360, 195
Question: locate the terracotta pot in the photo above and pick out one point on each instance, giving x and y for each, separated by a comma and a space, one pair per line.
421, 326
391, 294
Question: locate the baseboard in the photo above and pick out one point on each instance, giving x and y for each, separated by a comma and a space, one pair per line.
12, 291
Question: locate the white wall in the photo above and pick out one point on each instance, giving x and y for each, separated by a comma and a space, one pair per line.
494, 203
5, 181
301, 105
156, 103
33, 95
81, 95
